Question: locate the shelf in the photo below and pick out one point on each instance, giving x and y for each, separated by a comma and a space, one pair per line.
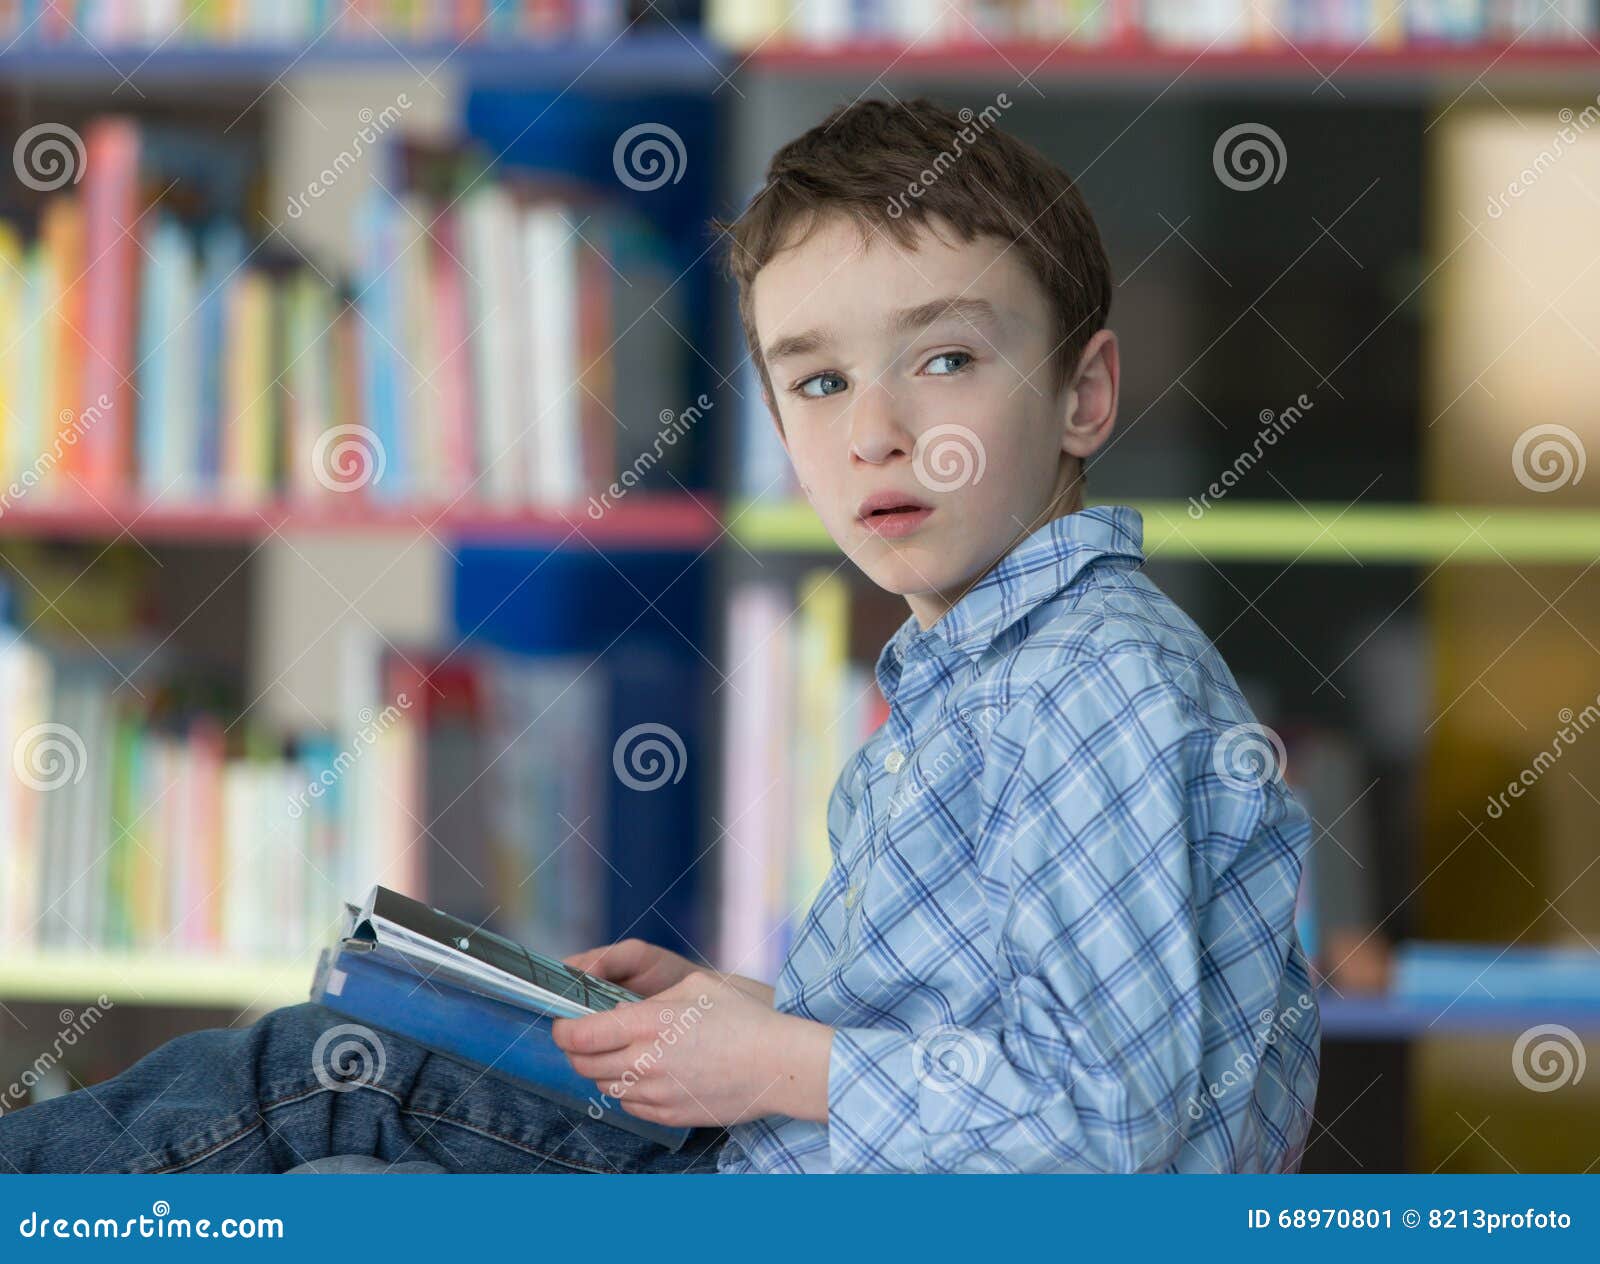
639, 521
1387, 1018
1270, 531
653, 58
1137, 59
684, 57
145, 979
148, 979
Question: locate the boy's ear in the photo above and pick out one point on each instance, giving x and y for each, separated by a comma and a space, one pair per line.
1089, 403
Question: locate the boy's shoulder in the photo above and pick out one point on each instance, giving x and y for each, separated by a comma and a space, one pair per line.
1114, 623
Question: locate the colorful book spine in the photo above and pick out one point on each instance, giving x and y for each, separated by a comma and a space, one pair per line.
62, 235
250, 396
111, 215
798, 708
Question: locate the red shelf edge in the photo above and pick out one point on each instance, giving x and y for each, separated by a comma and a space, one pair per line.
1133, 56
644, 521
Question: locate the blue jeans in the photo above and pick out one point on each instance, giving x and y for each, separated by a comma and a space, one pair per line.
253, 1100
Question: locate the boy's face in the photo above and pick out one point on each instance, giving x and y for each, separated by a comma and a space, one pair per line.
913, 391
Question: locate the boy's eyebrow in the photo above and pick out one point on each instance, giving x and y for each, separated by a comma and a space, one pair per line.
907, 320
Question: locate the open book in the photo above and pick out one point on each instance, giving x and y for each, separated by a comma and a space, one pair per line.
414, 970
445, 948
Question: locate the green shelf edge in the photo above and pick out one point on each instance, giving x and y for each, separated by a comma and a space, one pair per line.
150, 979
1276, 532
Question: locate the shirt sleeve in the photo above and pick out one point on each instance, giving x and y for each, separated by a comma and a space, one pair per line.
1100, 809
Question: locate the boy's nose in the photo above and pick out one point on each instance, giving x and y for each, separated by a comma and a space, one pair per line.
877, 433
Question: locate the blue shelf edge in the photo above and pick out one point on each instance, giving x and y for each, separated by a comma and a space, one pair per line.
660, 58
1391, 1018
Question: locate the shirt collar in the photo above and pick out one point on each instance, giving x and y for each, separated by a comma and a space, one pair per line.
1038, 567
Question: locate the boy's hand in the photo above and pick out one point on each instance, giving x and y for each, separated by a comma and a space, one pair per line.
703, 1051
633, 964
646, 969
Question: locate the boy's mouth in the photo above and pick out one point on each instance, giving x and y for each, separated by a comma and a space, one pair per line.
892, 514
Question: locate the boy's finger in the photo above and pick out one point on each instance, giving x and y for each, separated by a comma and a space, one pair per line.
609, 961
593, 1033
580, 960
601, 1066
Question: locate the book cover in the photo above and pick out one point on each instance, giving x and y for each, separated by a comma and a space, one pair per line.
505, 1040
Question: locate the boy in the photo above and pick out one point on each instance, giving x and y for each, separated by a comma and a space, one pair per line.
1058, 933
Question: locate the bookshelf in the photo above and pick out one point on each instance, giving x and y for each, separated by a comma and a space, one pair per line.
1330, 533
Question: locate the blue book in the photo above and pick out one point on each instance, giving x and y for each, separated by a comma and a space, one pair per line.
224, 253
469, 994
380, 337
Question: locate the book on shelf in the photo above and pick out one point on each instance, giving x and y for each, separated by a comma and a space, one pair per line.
504, 341
121, 831
798, 706
1213, 24
1324, 766
183, 24
503, 796
517, 300
448, 984
136, 816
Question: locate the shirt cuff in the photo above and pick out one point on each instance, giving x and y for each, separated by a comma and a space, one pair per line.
873, 1123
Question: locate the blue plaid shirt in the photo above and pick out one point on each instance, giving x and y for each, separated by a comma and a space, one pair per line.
1058, 931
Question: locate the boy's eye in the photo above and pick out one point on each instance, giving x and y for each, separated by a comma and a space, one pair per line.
805, 387
950, 355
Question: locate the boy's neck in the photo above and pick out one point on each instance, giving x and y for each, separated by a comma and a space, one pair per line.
929, 608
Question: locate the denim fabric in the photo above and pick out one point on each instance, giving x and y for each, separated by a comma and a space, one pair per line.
363, 1165
266, 1098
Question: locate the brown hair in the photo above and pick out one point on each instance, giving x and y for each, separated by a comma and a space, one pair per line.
892, 164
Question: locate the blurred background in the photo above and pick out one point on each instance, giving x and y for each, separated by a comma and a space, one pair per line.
385, 494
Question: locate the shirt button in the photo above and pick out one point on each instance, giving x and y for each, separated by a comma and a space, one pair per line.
894, 761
